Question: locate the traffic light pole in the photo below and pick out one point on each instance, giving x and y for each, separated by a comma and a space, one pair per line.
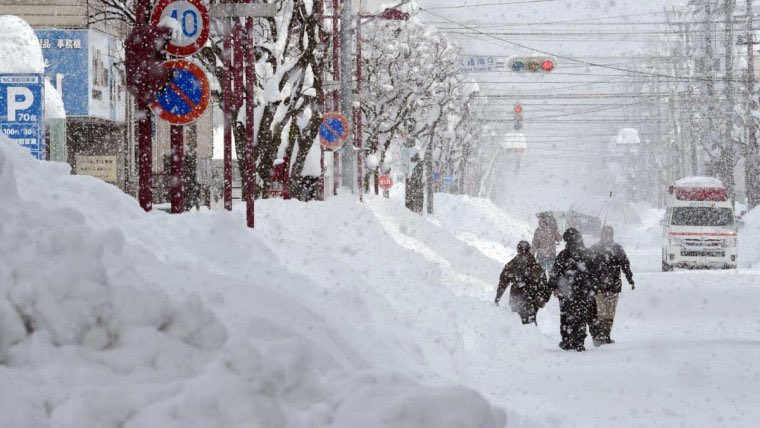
752, 169
336, 94
144, 128
346, 84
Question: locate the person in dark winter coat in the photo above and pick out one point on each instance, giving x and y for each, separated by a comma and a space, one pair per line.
529, 290
572, 281
545, 240
609, 260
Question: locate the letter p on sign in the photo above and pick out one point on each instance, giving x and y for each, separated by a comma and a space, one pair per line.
19, 99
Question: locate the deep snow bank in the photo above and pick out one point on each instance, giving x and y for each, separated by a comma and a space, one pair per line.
112, 317
748, 244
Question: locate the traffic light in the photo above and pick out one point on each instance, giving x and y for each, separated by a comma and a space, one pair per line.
146, 76
518, 116
532, 64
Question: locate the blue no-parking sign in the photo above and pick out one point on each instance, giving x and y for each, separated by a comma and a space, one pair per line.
21, 111
333, 131
187, 95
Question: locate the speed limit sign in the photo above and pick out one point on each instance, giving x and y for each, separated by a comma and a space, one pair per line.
194, 23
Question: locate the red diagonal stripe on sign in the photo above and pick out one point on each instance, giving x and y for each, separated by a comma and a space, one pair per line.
182, 95
326, 124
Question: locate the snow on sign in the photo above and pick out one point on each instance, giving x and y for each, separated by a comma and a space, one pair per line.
21, 111
193, 24
186, 97
385, 182
333, 131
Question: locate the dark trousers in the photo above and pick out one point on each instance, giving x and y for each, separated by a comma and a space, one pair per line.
574, 315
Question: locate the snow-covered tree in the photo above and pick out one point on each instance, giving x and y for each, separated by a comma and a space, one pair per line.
288, 83
413, 92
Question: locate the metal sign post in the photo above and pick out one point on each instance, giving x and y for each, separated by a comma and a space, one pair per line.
250, 84
239, 43
144, 128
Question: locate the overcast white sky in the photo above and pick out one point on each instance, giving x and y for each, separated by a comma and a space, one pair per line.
563, 155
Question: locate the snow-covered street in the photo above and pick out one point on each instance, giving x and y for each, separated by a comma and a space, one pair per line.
336, 314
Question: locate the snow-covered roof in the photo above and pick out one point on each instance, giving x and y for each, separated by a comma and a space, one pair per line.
20, 50
698, 182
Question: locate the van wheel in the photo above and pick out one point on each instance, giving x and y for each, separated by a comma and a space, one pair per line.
666, 267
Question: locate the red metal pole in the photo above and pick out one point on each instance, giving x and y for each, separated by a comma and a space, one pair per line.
177, 190
336, 93
250, 149
238, 90
227, 105
322, 110
358, 113
144, 129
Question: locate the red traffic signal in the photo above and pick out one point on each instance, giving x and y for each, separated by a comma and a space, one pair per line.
146, 76
518, 108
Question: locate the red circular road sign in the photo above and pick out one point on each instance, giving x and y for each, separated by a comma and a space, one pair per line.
194, 24
385, 182
186, 96
333, 131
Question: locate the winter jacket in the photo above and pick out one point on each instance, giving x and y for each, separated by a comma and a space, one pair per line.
608, 262
572, 275
544, 243
529, 288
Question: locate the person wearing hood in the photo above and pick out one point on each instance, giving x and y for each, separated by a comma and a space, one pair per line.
529, 290
545, 240
609, 260
572, 282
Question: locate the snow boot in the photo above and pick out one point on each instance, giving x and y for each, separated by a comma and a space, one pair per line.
607, 329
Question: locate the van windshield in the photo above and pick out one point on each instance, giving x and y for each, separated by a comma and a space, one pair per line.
703, 216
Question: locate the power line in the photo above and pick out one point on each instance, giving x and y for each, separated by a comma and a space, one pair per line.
491, 4
562, 56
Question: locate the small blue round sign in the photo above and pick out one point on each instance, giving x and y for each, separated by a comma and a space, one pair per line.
334, 130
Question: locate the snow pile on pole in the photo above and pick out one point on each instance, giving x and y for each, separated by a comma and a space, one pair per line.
53, 103
19, 47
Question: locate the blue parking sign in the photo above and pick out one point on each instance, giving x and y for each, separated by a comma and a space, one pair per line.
21, 111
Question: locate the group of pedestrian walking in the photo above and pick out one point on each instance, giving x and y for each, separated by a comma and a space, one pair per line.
585, 280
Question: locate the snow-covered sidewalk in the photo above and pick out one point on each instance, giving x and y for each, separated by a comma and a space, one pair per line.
333, 314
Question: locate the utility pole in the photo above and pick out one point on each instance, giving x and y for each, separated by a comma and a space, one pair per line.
751, 168
726, 165
347, 89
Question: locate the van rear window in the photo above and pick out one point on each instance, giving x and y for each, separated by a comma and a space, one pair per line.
702, 216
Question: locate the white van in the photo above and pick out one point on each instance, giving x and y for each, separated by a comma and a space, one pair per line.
699, 229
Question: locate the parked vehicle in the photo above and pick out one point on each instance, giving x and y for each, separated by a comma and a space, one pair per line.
699, 229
